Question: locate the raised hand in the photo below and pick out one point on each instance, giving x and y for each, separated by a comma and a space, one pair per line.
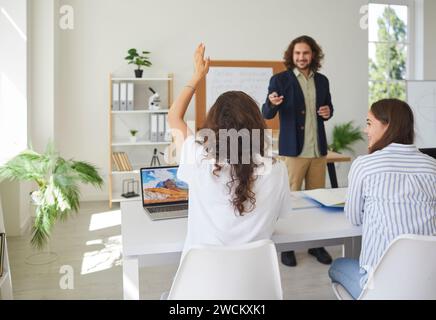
178, 109
201, 64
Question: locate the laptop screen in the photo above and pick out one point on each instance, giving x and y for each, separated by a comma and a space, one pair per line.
161, 186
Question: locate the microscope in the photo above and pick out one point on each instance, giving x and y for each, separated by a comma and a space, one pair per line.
154, 100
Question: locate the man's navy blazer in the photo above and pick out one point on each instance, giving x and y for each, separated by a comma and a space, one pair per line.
292, 111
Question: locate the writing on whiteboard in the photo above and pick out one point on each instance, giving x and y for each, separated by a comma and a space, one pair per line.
252, 81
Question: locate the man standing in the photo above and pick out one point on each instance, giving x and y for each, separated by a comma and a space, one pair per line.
301, 96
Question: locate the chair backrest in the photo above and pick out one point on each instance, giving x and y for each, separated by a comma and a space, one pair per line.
407, 270
242, 272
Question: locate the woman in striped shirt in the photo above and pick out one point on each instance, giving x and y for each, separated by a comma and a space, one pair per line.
392, 191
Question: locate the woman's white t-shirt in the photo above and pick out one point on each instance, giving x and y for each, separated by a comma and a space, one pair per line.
212, 219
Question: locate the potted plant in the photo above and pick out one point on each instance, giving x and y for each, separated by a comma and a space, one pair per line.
133, 133
344, 135
140, 60
57, 195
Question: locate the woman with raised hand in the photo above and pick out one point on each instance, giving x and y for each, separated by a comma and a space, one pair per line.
236, 192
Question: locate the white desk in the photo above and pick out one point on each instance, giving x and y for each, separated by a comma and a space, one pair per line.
149, 243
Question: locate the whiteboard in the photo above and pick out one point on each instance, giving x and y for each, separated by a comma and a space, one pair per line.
421, 97
252, 81
248, 76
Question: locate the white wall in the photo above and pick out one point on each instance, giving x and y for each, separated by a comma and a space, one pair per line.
9, 192
16, 207
2, 226
13, 78
42, 91
429, 40
233, 30
13, 108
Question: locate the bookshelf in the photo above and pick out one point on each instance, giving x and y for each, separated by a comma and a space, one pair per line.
5, 278
126, 157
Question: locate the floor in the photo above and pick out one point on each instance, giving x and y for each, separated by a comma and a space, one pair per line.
88, 264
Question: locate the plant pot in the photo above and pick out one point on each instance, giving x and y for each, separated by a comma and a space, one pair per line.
133, 139
138, 73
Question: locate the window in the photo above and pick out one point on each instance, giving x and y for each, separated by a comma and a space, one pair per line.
388, 49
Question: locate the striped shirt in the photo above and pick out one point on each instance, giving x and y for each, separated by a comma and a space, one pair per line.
391, 192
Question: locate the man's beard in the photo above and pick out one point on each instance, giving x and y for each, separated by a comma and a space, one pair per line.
306, 66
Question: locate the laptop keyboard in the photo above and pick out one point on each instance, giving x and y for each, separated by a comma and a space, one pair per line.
179, 207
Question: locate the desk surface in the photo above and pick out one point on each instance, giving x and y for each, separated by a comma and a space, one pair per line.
337, 157
331, 157
142, 236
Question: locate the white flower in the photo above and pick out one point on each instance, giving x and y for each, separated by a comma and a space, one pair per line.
36, 197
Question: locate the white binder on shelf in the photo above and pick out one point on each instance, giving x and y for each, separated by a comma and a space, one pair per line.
153, 127
115, 96
161, 127
168, 136
130, 95
123, 96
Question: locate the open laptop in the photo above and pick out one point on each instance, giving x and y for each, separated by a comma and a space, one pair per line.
163, 195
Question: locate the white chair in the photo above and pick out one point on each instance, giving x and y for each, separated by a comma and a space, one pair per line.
406, 271
242, 272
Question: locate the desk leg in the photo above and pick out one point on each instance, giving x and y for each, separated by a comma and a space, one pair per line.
351, 248
332, 174
131, 278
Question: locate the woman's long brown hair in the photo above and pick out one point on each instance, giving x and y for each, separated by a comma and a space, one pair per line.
399, 118
236, 110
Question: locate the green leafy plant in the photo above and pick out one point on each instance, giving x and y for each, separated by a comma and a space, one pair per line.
345, 135
139, 60
133, 132
58, 190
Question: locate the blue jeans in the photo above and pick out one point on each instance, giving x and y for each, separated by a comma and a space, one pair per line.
347, 272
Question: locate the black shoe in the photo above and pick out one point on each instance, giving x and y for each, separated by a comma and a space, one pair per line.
321, 255
288, 258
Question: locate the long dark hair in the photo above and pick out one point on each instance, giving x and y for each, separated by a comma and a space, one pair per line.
399, 118
318, 54
236, 110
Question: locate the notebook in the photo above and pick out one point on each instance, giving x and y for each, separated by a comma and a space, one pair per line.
163, 195
328, 197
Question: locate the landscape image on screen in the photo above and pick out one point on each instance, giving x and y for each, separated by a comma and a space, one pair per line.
161, 185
